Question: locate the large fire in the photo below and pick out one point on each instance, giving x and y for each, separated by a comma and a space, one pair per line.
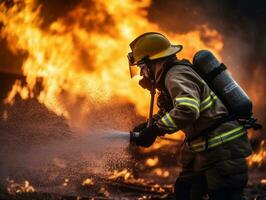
83, 54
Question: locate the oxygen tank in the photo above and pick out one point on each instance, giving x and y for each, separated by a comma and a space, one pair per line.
222, 83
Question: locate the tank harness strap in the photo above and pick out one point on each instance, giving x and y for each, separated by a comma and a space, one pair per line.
212, 74
250, 123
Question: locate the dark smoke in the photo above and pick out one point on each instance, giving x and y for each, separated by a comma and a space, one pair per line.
242, 19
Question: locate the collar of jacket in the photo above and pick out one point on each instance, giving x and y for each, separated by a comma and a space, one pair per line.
169, 63
161, 69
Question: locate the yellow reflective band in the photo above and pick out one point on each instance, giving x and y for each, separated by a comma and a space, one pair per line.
165, 122
227, 140
209, 104
181, 99
207, 99
212, 95
168, 122
187, 101
218, 136
229, 132
190, 105
203, 82
171, 120
167, 125
220, 139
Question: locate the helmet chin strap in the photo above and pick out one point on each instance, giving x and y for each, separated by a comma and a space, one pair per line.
151, 78
153, 92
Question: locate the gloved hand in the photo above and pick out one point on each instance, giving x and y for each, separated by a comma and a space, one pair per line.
146, 137
140, 127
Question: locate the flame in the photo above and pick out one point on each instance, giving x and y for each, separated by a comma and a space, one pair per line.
83, 54
258, 158
129, 178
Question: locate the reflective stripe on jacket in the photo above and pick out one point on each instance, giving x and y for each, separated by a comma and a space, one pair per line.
217, 140
195, 108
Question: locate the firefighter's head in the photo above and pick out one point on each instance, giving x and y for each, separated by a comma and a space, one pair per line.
148, 50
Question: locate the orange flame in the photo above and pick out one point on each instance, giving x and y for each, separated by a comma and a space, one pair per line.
258, 158
83, 55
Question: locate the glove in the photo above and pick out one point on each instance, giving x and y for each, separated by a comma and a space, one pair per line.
147, 136
140, 127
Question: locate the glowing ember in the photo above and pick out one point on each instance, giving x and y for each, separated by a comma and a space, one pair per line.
263, 181
158, 188
104, 192
66, 182
161, 173
124, 174
87, 182
77, 59
5, 115
151, 162
13, 187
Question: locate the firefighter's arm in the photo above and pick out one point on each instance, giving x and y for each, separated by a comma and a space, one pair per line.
142, 126
184, 90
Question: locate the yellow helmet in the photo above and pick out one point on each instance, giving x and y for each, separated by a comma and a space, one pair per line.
152, 45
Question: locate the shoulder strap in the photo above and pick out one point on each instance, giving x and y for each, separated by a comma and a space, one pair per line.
171, 63
179, 62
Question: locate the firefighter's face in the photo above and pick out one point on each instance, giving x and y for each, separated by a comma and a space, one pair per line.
144, 70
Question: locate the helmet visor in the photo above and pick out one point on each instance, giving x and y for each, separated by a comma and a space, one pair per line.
133, 68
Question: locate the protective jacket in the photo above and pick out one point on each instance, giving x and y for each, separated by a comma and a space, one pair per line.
187, 103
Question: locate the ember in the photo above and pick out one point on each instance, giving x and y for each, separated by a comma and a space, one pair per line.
87, 181
13, 187
151, 162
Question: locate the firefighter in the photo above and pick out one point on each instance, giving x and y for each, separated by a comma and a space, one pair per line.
214, 165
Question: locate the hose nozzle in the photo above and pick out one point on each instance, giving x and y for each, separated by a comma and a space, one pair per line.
133, 136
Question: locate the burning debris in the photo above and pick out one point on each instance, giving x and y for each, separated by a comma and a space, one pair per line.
13, 187
258, 158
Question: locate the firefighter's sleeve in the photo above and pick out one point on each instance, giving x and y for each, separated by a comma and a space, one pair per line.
184, 90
